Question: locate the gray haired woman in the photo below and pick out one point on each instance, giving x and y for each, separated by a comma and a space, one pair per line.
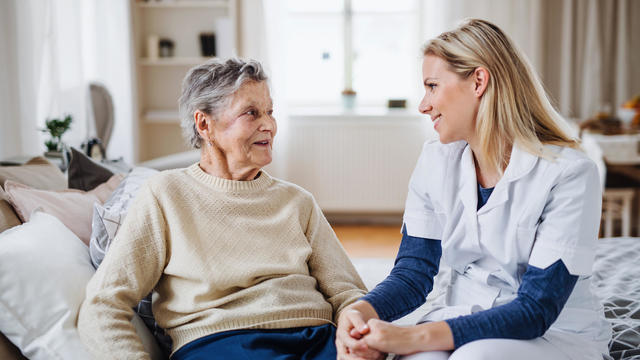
242, 265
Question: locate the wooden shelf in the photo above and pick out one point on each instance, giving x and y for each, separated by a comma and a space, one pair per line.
159, 79
177, 4
173, 61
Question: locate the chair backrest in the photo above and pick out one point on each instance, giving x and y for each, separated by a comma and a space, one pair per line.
101, 110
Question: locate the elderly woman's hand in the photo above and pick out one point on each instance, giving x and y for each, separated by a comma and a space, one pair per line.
352, 326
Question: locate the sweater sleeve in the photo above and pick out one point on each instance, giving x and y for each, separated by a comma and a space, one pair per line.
541, 296
411, 278
329, 264
129, 271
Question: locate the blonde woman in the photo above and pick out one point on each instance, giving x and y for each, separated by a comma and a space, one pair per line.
509, 202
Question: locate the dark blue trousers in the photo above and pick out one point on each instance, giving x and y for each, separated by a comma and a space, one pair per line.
303, 343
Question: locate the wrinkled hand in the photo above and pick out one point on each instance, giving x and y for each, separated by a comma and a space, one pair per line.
352, 327
389, 338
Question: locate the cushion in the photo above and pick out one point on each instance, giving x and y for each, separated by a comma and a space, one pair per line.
40, 260
73, 207
107, 218
38, 173
8, 217
44, 269
84, 173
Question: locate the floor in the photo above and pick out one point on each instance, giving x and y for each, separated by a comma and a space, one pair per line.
372, 250
368, 241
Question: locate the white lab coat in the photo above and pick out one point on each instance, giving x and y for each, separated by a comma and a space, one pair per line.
540, 211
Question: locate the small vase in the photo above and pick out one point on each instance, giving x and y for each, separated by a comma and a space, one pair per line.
349, 99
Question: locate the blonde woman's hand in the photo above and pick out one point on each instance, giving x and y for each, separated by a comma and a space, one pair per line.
404, 340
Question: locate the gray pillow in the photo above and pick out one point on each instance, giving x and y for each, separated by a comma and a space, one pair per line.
85, 174
107, 218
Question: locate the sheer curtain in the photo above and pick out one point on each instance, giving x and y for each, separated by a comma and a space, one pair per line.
591, 54
261, 34
51, 50
517, 18
25, 75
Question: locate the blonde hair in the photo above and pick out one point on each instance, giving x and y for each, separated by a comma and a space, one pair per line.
514, 106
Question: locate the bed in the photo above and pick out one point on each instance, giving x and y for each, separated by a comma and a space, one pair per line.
616, 281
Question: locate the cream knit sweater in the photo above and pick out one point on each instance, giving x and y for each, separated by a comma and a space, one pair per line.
221, 255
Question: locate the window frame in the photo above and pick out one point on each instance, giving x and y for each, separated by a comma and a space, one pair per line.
347, 13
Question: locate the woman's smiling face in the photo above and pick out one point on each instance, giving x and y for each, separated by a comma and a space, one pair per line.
243, 130
449, 100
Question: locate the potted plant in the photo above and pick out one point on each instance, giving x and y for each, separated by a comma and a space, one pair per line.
56, 128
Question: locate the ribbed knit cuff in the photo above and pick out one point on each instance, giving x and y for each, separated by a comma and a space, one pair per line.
457, 326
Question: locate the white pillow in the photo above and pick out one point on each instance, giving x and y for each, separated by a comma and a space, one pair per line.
44, 269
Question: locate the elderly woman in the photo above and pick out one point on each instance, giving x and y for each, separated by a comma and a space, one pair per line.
243, 265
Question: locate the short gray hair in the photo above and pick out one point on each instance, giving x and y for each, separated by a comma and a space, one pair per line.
208, 87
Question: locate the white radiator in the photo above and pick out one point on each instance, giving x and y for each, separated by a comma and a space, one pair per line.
355, 164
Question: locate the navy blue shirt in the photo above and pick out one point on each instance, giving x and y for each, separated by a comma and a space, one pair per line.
541, 295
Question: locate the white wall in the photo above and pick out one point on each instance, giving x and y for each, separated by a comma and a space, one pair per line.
357, 162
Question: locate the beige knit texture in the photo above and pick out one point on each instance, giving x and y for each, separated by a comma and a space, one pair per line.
220, 255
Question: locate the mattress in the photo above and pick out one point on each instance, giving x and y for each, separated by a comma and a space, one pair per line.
616, 281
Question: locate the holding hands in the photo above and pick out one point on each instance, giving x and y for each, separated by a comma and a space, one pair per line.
352, 328
362, 336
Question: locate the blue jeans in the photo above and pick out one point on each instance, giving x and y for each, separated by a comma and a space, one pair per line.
304, 343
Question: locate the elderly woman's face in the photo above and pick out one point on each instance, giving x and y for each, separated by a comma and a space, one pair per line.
244, 130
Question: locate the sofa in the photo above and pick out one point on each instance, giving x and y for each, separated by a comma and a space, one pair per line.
45, 228
48, 221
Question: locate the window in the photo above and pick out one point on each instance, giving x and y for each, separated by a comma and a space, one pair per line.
372, 46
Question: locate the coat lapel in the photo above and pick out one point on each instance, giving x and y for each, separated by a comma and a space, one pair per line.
464, 245
468, 183
468, 192
520, 164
